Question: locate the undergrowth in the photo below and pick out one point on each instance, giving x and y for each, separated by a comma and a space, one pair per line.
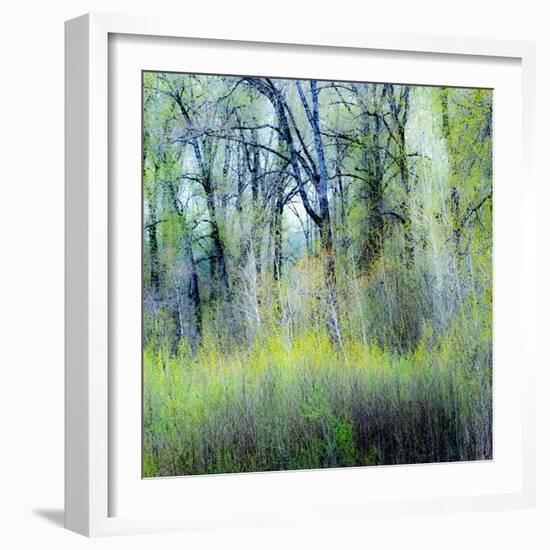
313, 404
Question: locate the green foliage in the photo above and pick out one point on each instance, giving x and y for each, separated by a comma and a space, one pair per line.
276, 340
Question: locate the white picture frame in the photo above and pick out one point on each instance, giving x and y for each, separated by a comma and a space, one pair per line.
91, 400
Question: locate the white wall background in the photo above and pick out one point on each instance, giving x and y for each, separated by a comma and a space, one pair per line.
31, 269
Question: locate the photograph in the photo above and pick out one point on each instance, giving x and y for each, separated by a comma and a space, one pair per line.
277, 276
317, 274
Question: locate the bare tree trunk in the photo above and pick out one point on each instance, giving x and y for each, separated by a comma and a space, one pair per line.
317, 173
399, 108
278, 235
257, 209
321, 185
154, 254
178, 318
218, 253
277, 221
217, 244
193, 292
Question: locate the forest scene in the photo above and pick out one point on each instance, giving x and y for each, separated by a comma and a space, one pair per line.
317, 274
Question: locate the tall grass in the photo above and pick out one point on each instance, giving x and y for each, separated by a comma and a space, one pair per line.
307, 404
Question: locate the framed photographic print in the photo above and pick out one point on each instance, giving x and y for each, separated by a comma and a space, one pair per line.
293, 288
